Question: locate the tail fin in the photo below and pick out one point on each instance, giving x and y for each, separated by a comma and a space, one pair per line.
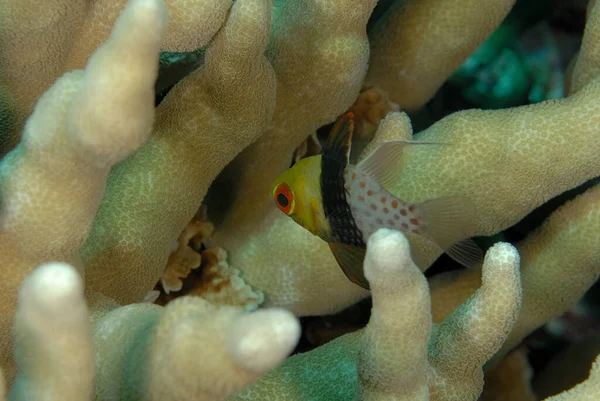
449, 221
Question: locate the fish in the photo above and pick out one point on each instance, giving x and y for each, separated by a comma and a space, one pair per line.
345, 204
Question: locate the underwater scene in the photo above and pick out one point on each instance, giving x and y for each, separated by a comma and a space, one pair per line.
300, 200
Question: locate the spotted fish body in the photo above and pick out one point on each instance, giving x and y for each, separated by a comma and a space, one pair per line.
345, 204
373, 207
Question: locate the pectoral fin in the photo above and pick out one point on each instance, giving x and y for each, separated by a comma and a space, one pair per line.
350, 258
381, 163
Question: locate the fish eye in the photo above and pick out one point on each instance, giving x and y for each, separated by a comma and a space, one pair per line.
284, 198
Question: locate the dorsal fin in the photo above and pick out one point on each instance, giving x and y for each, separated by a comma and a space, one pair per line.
339, 142
333, 163
381, 163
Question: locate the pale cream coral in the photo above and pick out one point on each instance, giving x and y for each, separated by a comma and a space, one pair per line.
586, 65
397, 357
371, 106
204, 121
142, 351
559, 263
222, 284
326, 45
53, 348
417, 44
36, 48
510, 380
504, 162
392, 357
140, 204
190, 350
586, 391
53, 181
184, 259
476, 329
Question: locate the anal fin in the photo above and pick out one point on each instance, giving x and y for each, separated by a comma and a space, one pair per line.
351, 259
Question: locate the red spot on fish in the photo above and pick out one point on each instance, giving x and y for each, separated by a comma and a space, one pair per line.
383, 199
403, 212
404, 226
361, 198
373, 206
378, 221
353, 176
369, 192
395, 204
414, 222
346, 172
362, 184
386, 210
411, 208
347, 188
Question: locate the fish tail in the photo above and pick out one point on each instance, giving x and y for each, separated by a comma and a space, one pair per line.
449, 221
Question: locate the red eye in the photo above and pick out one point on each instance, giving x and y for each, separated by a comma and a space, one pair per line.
284, 199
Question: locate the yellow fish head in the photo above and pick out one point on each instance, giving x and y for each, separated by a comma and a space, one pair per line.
297, 193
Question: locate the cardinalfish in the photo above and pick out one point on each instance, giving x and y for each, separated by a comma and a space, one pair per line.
345, 204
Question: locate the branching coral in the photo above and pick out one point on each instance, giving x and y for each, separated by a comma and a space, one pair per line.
101, 184
63, 36
154, 194
146, 353
397, 358
57, 142
53, 181
417, 44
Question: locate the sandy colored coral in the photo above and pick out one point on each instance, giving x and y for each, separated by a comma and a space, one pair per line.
191, 349
504, 162
557, 268
507, 162
222, 284
510, 380
36, 48
53, 181
184, 259
320, 41
371, 106
419, 43
52, 184
55, 348
586, 391
395, 356
152, 196
586, 65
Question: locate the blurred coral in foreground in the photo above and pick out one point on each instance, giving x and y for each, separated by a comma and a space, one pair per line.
116, 287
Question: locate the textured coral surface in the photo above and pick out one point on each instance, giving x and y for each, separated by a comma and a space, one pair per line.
102, 182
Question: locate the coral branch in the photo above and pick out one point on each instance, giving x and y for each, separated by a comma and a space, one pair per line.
419, 43
475, 331
392, 356
586, 391
206, 120
54, 180
53, 347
